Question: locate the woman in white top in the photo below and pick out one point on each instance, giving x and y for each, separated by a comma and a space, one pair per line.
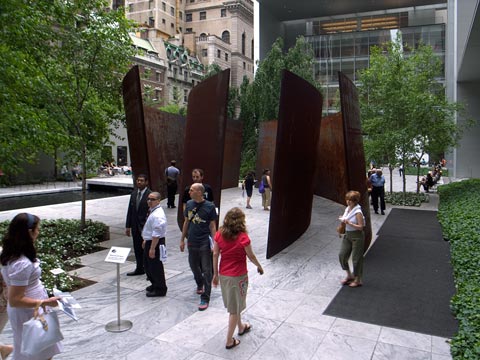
353, 242
21, 272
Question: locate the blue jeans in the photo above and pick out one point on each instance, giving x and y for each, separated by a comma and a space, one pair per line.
201, 264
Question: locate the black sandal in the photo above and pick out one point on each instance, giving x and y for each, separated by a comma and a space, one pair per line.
235, 343
246, 329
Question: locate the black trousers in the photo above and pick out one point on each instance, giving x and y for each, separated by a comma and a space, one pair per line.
378, 192
137, 247
171, 191
154, 268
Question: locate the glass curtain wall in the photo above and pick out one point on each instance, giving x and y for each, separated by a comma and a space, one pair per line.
349, 52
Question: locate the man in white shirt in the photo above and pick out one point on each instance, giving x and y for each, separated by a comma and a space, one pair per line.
154, 249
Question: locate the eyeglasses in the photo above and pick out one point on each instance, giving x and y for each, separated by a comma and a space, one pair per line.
151, 199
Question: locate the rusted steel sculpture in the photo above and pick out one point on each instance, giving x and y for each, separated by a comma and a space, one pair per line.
205, 135
299, 119
132, 101
341, 164
267, 137
232, 154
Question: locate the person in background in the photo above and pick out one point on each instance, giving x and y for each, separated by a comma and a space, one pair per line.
5, 350
378, 191
353, 242
21, 272
248, 183
172, 174
136, 218
267, 183
197, 178
233, 246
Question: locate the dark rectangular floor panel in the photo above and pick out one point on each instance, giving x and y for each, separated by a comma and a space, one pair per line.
408, 280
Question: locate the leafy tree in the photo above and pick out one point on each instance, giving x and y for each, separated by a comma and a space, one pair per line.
174, 109
405, 112
260, 100
74, 54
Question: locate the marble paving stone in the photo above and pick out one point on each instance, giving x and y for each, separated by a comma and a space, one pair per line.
290, 342
343, 347
276, 305
358, 329
310, 313
198, 355
261, 330
159, 316
94, 257
157, 349
394, 352
441, 357
78, 333
406, 338
106, 346
197, 329
440, 345
327, 287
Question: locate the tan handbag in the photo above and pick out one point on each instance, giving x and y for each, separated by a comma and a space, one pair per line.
341, 228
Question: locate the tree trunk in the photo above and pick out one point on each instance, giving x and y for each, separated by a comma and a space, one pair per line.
84, 187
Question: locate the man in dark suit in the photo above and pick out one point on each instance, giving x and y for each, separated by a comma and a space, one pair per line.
136, 218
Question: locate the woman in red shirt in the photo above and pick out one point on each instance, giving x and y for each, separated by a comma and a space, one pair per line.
233, 244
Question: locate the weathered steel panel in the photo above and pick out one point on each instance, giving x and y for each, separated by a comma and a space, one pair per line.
132, 101
267, 139
331, 175
232, 154
356, 167
205, 135
299, 119
164, 138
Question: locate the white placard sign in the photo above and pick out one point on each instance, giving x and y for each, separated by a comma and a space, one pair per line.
117, 254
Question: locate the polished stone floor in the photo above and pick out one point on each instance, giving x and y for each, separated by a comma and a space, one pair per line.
284, 306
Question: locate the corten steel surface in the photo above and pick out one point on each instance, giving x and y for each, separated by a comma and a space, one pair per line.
331, 174
164, 138
132, 101
205, 135
267, 138
232, 154
299, 119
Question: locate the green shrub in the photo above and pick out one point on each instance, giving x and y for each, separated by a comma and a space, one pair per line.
460, 219
60, 244
407, 198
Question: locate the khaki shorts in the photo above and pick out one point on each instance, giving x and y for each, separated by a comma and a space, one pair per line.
234, 292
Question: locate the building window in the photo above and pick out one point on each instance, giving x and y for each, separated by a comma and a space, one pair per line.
252, 49
244, 65
157, 95
219, 54
157, 76
150, 3
204, 52
223, 12
185, 75
180, 15
172, 25
226, 57
188, 30
163, 21
203, 37
226, 36
164, 6
172, 11
185, 95
203, 15
151, 21
188, 17
243, 43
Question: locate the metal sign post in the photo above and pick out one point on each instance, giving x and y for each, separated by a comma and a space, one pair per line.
118, 255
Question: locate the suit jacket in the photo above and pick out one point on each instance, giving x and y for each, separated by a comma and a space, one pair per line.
136, 218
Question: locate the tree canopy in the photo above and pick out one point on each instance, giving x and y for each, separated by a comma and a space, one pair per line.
404, 109
67, 60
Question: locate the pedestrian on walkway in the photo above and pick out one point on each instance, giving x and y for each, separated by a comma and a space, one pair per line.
353, 241
199, 229
248, 183
154, 250
172, 174
233, 246
267, 185
378, 191
136, 218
